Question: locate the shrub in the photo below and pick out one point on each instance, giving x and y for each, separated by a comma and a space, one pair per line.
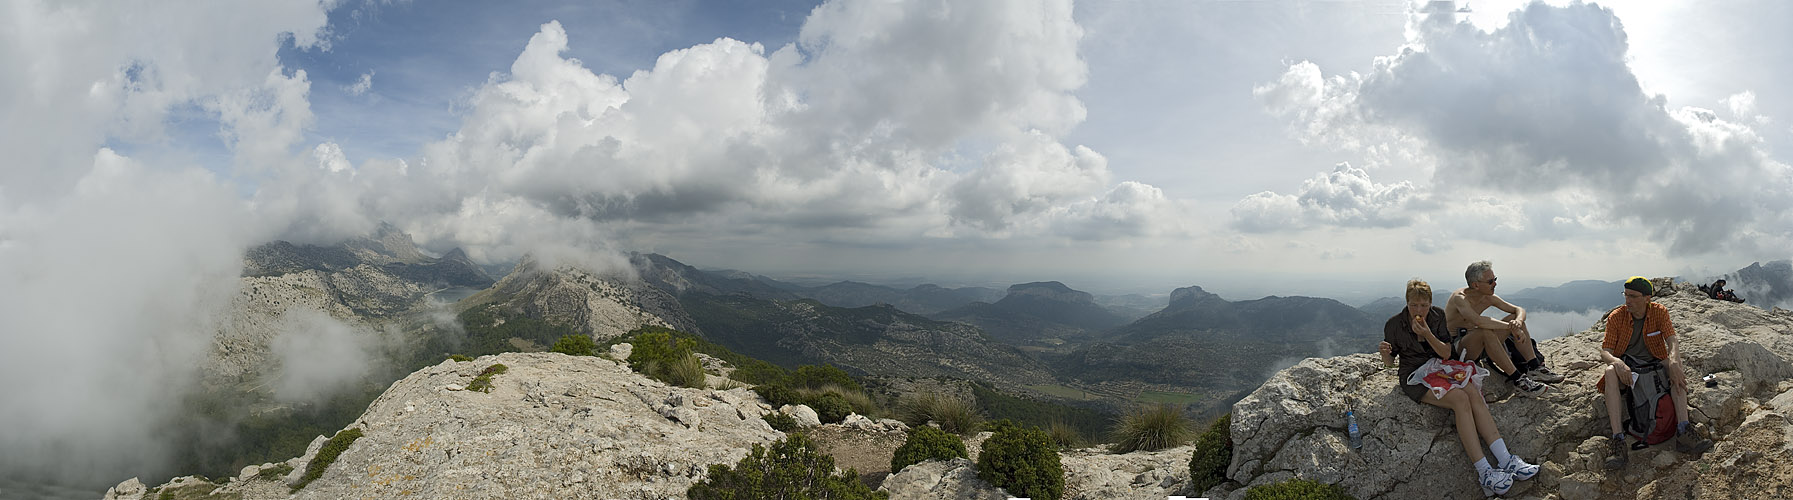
816, 377
1297, 489
327, 454
927, 443
831, 408
1152, 428
1023, 461
1065, 435
778, 394
951, 414
577, 344
275, 473
780, 422
792, 468
858, 401
483, 382
663, 357
687, 371
1213, 454
459, 358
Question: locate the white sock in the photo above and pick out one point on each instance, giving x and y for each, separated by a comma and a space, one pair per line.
1481, 466
1499, 447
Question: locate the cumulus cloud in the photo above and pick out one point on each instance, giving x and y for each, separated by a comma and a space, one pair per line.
1544, 104
361, 86
108, 296
883, 123
319, 355
1345, 197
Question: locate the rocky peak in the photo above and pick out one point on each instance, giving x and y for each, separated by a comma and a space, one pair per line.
1051, 290
1190, 296
1294, 424
553, 426
603, 306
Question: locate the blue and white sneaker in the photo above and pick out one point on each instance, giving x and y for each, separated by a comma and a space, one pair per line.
1519, 469
1496, 482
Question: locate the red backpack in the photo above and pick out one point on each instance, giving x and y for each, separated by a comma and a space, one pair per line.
1649, 406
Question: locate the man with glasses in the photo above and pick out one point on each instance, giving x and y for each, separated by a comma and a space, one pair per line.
1479, 335
1637, 334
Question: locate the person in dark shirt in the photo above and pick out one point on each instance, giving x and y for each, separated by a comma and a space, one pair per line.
1417, 336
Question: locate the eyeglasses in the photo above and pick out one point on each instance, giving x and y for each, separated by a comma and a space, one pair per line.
1633, 295
1490, 280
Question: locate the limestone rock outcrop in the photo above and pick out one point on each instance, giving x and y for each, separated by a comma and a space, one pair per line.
956, 478
1294, 425
602, 306
553, 426
1096, 474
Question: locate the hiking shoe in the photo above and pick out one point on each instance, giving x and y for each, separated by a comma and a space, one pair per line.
1527, 386
1620, 454
1542, 374
1519, 469
1690, 442
1496, 482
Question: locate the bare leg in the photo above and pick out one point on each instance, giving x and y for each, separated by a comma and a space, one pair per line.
1614, 406
1484, 421
1522, 339
1458, 401
1678, 390
1489, 341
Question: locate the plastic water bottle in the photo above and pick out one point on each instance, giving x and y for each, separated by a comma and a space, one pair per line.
1351, 423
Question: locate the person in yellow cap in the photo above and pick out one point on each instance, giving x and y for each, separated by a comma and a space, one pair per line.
1637, 334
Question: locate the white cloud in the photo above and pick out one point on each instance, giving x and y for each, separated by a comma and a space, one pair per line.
361, 86
1543, 104
319, 355
329, 157
109, 295
1345, 197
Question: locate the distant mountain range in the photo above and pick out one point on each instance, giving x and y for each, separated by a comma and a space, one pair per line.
1574, 296
1764, 285
1209, 344
1037, 312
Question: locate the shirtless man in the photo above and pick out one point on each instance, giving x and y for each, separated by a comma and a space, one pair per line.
1479, 335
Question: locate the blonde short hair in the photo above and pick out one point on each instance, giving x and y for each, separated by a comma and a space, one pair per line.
1418, 289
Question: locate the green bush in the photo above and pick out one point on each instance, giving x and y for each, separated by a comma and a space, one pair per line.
687, 371
664, 357
831, 408
951, 414
275, 473
1213, 454
1297, 489
927, 443
780, 422
1022, 461
483, 382
1151, 429
577, 344
459, 357
792, 468
1065, 435
778, 395
817, 377
327, 455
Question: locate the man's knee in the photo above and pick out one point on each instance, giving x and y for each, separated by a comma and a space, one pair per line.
1676, 374
1611, 384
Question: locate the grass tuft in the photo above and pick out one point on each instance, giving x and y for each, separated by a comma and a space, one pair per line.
1150, 429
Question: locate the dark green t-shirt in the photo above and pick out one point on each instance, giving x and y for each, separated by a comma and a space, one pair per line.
1638, 350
